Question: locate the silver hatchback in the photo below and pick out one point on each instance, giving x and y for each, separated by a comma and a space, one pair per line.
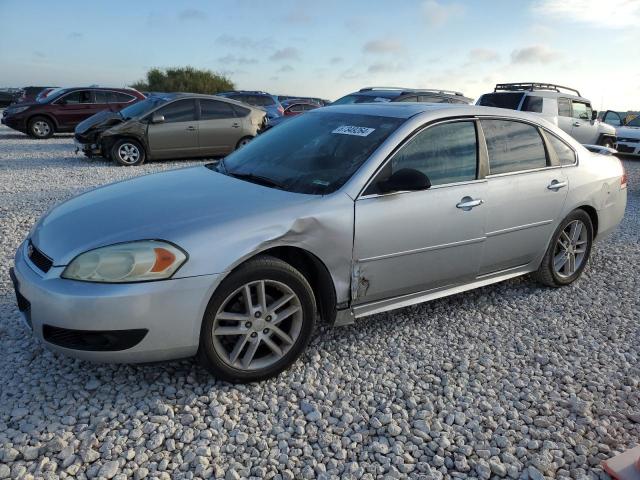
341, 213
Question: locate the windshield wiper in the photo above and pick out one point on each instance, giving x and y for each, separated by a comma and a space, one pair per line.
260, 180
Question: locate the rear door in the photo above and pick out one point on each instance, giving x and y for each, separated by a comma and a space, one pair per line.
565, 117
119, 100
73, 108
585, 130
218, 128
101, 100
177, 136
526, 193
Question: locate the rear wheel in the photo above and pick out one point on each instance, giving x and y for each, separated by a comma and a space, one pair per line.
40, 127
568, 252
128, 152
258, 322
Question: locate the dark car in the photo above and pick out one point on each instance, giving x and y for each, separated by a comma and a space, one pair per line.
8, 96
396, 94
296, 106
29, 94
257, 98
62, 110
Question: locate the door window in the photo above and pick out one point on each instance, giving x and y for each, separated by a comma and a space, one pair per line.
433, 99
213, 110
446, 153
101, 96
179, 111
612, 118
79, 96
513, 146
581, 110
410, 98
564, 107
565, 153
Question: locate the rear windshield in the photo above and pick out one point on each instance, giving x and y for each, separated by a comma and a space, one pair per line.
313, 153
141, 108
509, 100
348, 99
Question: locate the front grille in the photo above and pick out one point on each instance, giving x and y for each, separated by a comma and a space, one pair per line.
38, 258
93, 340
629, 140
625, 149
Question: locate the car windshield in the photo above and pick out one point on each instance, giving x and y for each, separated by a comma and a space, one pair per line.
349, 99
634, 123
140, 108
313, 154
52, 95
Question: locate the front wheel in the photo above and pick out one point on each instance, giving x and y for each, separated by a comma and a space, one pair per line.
258, 322
128, 152
40, 127
569, 251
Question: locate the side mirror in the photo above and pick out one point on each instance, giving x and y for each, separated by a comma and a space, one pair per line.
405, 179
594, 115
157, 118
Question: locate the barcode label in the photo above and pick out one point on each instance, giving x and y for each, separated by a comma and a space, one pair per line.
352, 130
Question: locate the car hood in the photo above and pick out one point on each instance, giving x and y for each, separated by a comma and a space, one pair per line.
181, 206
88, 129
628, 132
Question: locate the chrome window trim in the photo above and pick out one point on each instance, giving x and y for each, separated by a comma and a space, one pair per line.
93, 90
415, 133
434, 187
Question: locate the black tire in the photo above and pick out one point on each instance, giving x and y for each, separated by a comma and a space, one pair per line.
136, 154
608, 142
261, 268
547, 273
40, 128
243, 141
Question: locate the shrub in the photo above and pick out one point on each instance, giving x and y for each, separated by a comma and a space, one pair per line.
184, 79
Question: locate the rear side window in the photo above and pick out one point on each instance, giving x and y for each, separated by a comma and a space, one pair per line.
212, 110
509, 100
101, 96
261, 100
565, 153
179, 111
513, 146
119, 97
532, 104
446, 153
564, 107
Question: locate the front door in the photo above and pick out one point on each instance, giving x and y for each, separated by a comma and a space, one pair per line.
73, 108
177, 135
525, 195
407, 242
585, 130
220, 130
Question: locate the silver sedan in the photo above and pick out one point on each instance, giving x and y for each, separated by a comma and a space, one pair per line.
341, 213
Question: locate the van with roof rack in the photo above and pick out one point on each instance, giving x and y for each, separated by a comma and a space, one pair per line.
400, 94
562, 106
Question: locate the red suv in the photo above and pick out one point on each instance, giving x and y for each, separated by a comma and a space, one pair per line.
63, 109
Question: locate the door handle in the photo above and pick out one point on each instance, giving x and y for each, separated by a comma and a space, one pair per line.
191, 128
555, 185
236, 125
467, 203
576, 124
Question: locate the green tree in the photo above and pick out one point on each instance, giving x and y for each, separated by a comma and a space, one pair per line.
184, 79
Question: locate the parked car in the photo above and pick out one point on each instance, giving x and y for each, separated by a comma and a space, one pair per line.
320, 101
560, 105
8, 96
172, 125
296, 106
29, 94
65, 108
44, 93
399, 94
627, 131
256, 98
337, 214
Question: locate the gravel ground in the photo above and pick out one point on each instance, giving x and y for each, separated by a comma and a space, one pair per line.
512, 380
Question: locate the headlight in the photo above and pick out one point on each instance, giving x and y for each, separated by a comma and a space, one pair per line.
12, 111
126, 262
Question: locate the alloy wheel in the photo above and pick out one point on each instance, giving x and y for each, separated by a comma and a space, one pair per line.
570, 249
129, 153
257, 325
41, 128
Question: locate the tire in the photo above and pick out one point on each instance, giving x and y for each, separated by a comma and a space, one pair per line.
243, 141
555, 269
40, 127
128, 152
608, 142
254, 347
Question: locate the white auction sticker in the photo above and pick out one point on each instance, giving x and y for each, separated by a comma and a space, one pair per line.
353, 130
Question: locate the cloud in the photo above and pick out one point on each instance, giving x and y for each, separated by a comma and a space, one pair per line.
75, 35
228, 59
189, 14
286, 68
381, 68
247, 43
383, 46
437, 13
335, 60
534, 54
597, 13
288, 53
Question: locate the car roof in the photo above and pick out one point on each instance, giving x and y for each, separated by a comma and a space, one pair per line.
439, 110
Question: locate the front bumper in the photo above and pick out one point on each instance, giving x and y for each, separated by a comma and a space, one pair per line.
89, 149
628, 148
170, 311
15, 122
